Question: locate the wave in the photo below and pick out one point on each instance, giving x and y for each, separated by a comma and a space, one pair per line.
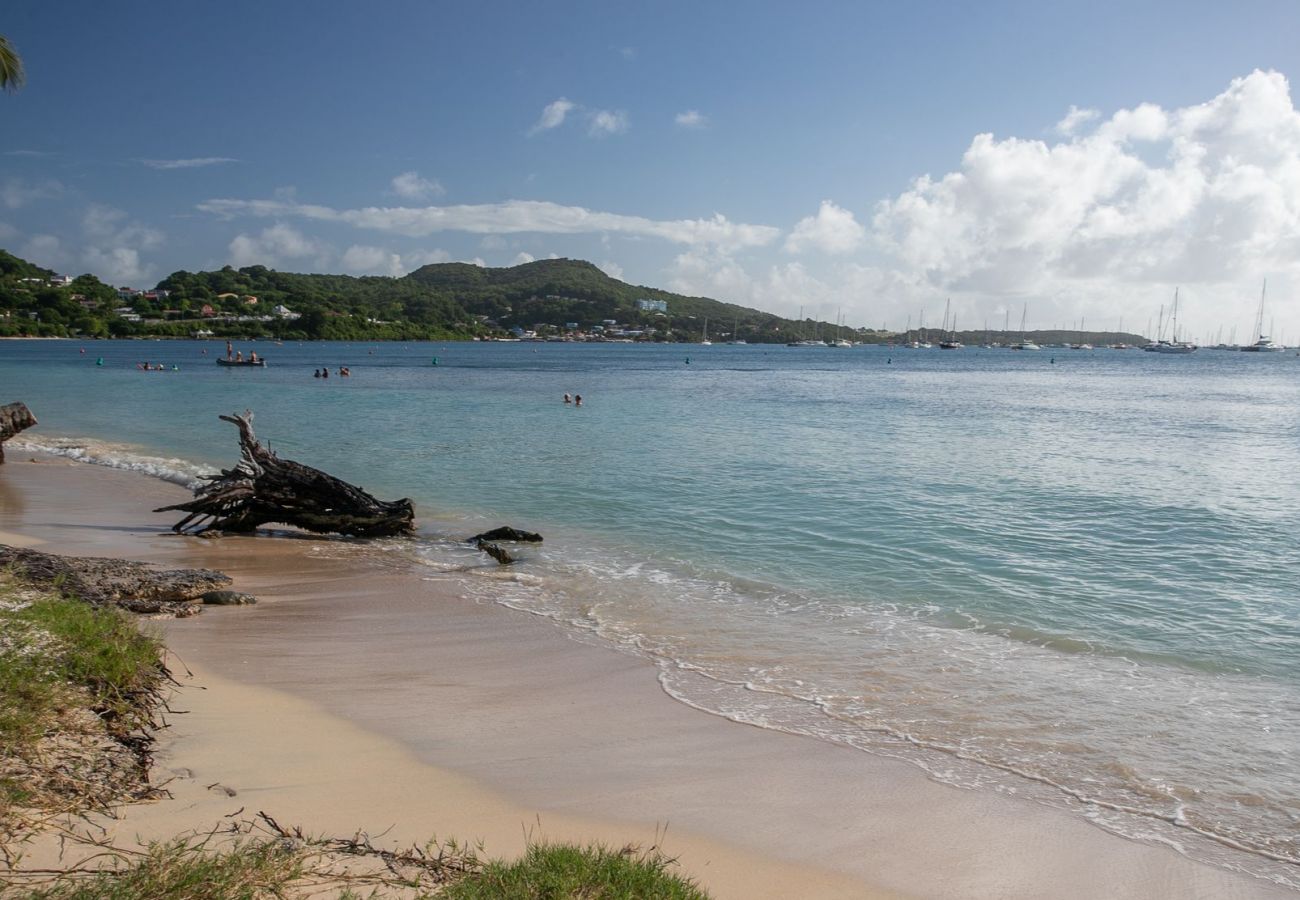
118, 456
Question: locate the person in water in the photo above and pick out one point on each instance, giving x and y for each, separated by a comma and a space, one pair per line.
568, 399
577, 399
316, 374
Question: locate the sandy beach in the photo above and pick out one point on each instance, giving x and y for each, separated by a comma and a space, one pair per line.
359, 694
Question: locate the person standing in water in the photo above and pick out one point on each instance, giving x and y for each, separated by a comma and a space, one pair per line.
577, 399
568, 399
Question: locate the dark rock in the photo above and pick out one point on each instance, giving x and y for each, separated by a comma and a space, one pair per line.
506, 533
227, 598
496, 551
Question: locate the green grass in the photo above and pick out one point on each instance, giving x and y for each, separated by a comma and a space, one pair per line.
54, 648
187, 870
58, 654
180, 870
555, 871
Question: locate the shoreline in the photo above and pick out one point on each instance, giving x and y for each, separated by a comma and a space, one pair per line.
563, 728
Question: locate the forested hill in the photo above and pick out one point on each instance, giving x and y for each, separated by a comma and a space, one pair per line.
444, 301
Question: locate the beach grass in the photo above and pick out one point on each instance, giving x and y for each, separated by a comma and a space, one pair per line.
185, 869
189, 870
564, 870
66, 668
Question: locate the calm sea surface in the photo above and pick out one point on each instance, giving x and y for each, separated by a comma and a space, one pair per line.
1069, 575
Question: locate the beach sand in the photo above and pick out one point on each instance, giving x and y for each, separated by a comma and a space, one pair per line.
361, 695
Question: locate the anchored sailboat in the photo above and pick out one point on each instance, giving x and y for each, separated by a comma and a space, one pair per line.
1263, 345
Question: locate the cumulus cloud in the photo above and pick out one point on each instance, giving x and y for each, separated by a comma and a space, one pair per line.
275, 245
362, 260
193, 163
1074, 118
114, 245
522, 258
413, 186
1206, 195
612, 269
692, 118
16, 193
510, 217
553, 115
832, 230
606, 122
45, 250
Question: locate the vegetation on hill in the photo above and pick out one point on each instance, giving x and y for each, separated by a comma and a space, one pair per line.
447, 301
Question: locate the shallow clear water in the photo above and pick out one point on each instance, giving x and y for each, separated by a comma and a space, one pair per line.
1068, 574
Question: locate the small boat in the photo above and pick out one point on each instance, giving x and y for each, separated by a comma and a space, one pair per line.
241, 362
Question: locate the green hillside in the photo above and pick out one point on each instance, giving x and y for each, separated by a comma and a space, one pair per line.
446, 301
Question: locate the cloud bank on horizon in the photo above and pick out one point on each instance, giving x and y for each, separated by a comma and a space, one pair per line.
1109, 212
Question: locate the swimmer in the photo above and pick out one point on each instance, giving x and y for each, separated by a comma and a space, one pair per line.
577, 399
568, 399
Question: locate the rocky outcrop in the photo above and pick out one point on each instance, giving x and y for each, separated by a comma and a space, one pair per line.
131, 585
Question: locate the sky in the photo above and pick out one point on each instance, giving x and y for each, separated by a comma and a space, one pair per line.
1073, 163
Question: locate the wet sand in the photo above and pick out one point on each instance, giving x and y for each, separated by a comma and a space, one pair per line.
359, 694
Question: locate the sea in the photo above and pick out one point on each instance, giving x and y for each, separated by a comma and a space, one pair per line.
1071, 576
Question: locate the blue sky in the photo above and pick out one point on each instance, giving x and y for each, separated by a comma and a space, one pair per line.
1078, 159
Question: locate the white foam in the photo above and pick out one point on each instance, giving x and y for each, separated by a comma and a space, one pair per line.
118, 456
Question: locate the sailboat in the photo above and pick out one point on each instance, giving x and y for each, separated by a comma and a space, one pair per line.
735, 334
1024, 343
950, 342
1263, 345
839, 342
705, 342
1173, 345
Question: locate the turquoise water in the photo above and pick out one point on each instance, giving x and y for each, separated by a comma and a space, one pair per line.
1070, 575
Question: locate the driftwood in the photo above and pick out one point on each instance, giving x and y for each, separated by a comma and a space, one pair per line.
14, 417
263, 488
134, 586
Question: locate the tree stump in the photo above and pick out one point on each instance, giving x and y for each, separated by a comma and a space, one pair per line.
263, 488
14, 417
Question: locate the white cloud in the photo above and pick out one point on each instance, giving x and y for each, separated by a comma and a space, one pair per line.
612, 269
361, 260
118, 265
45, 250
1074, 118
606, 122
114, 245
275, 245
692, 118
510, 217
195, 163
553, 115
1207, 195
522, 258
628, 53
16, 193
413, 186
832, 230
